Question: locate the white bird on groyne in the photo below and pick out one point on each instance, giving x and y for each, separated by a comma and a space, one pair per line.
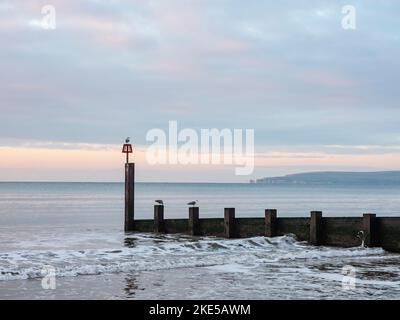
362, 236
159, 202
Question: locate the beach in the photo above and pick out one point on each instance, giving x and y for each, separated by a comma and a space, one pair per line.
77, 229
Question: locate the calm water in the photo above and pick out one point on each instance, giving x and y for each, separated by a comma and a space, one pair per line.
76, 228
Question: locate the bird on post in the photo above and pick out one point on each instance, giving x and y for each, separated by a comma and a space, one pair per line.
127, 148
159, 202
192, 203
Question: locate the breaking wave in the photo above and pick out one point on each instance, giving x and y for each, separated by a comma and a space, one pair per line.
144, 252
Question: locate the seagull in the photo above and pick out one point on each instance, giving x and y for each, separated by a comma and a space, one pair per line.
159, 202
127, 140
193, 203
361, 235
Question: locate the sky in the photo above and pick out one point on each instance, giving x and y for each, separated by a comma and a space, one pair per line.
319, 97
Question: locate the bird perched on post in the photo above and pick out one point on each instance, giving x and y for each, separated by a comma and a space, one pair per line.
192, 203
159, 202
127, 140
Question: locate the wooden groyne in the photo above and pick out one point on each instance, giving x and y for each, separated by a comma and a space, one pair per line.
316, 229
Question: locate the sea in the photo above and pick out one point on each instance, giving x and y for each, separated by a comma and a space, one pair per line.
66, 241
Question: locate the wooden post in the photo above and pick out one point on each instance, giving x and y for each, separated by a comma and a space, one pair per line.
316, 228
194, 223
129, 196
158, 218
369, 229
229, 222
270, 222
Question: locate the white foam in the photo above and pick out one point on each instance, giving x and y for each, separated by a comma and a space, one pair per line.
148, 252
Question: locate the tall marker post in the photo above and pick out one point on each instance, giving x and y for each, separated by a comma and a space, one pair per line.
129, 189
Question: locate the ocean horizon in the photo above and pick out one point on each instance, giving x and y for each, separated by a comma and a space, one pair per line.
106, 199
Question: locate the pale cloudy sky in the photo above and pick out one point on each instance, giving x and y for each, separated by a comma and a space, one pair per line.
318, 97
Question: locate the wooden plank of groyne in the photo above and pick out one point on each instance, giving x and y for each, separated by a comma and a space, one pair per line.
144, 225
342, 231
194, 223
298, 226
369, 229
249, 227
211, 227
229, 222
129, 196
158, 218
388, 233
270, 222
316, 228
175, 225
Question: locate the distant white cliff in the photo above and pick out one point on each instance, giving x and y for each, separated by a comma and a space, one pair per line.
336, 177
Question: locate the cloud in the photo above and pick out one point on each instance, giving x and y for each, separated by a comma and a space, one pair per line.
118, 68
